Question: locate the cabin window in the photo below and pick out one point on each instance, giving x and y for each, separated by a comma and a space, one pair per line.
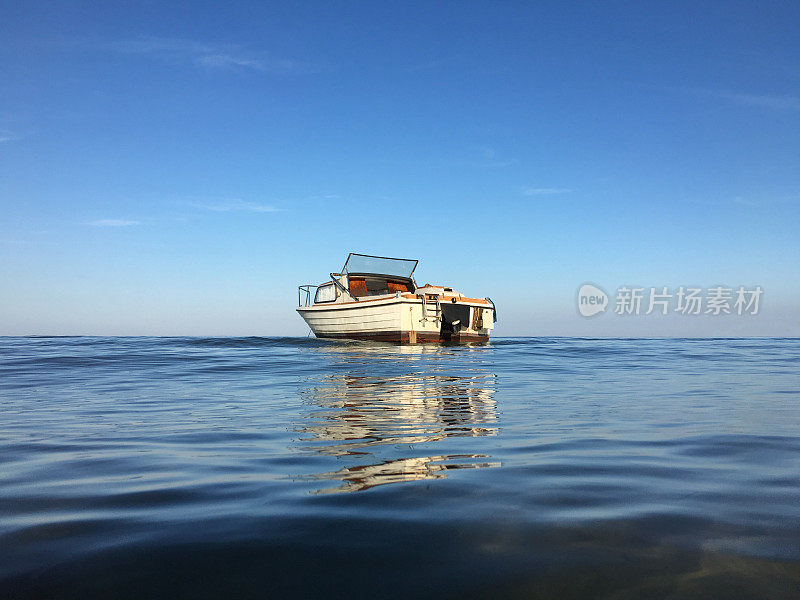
325, 293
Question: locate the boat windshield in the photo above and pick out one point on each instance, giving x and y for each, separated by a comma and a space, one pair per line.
363, 263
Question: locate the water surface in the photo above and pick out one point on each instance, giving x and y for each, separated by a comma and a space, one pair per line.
295, 467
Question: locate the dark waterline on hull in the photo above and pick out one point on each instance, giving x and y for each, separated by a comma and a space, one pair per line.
405, 337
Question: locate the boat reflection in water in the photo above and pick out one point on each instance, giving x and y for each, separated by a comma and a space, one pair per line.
376, 406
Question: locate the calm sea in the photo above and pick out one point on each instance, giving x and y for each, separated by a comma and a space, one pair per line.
293, 467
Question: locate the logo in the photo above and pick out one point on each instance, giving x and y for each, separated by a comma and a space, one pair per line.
591, 300
685, 300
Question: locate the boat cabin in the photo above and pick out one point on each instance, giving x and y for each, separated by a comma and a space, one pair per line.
364, 275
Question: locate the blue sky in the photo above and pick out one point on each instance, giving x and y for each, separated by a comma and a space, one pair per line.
181, 168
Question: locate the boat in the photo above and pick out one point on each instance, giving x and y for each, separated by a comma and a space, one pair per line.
376, 298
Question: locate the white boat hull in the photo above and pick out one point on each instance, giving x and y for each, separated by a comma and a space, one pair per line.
396, 319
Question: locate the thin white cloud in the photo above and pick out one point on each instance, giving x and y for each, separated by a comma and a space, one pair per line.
217, 56
763, 101
112, 223
541, 191
769, 101
504, 163
239, 206
431, 64
763, 199
490, 157
6, 136
222, 61
779, 102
